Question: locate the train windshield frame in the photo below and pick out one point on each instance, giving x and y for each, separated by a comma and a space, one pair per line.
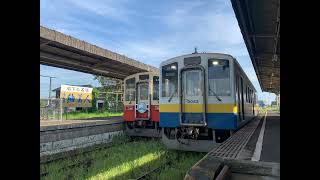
219, 77
155, 87
170, 80
130, 89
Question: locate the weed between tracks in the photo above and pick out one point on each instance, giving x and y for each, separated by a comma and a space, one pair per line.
83, 115
126, 160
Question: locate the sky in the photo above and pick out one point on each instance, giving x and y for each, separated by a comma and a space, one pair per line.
147, 31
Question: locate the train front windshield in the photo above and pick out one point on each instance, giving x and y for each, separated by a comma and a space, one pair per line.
143, 91
130, 89
219, 77
155, 87
170, 80
193, 83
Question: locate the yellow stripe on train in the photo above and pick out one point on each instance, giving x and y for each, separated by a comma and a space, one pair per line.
197, 108
169, 108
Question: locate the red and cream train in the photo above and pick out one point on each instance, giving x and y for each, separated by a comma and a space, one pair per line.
141, 104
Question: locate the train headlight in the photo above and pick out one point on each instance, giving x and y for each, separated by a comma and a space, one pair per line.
215, 63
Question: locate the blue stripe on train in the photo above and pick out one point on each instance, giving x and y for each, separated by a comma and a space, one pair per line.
222, 120
169, 120
193, 118
215, 120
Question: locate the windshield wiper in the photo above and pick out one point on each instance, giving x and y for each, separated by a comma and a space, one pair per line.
172, 95
219, 99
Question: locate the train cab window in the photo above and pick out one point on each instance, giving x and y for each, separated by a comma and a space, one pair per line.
143, 91
130, 89
193, 84
170, 80
219, 77
155, 87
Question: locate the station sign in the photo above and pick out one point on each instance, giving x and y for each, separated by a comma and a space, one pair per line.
76, 96
110, 82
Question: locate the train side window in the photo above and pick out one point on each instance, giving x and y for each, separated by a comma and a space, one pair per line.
130, 89
170, 80
252, 96
247, 94
155, 87
219, 77
249, 98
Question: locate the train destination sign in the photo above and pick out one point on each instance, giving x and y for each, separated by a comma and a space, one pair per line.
76, 96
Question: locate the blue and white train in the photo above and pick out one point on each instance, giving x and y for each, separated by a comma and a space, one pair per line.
204, 98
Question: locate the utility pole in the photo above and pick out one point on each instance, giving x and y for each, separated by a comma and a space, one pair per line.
51, 77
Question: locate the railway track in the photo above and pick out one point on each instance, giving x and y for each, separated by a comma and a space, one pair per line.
147, 175
155, 170
88, 161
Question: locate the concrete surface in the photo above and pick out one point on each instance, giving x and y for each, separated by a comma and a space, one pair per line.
63, 51
68, 135
271, 140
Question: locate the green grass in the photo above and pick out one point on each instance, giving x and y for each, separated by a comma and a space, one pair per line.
84, 115
273, 108
182, 162
125, 161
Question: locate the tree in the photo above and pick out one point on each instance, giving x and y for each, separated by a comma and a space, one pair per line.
95, 95
108, 90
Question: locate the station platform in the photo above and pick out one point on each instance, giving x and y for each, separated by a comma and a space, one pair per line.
46, 125
271, 139
253, 152
60, 138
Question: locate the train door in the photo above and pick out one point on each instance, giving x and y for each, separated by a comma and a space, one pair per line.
143, 101
242, 98
193, 97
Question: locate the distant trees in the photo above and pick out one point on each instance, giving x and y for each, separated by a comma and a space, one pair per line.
108, 92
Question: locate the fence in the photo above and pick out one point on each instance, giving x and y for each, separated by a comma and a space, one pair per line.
114, 106
51, 109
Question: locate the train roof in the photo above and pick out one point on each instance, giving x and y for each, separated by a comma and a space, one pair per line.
142, 73
195, 54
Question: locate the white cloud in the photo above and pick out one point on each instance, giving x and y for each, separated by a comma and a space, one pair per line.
107, 8
210, 32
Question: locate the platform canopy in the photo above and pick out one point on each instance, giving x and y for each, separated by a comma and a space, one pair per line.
63, 51
259, 21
